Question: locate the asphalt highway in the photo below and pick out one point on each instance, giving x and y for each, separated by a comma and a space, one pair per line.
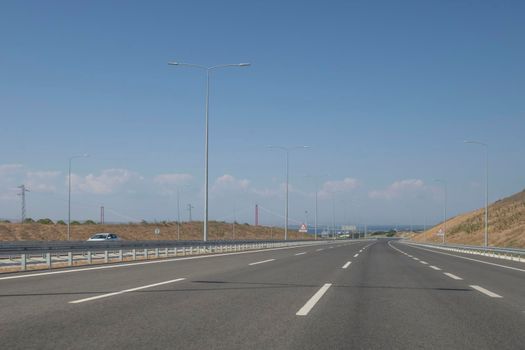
382, 294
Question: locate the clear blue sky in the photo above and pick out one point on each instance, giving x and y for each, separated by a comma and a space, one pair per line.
383, 91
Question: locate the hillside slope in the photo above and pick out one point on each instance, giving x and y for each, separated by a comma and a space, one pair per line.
506, 225
168, 231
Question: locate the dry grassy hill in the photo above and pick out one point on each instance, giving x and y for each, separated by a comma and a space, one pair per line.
506, 225
168, 231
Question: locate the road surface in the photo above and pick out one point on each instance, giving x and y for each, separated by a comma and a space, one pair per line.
380, 294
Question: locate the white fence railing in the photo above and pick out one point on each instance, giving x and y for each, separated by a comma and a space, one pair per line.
51, 257
514, 254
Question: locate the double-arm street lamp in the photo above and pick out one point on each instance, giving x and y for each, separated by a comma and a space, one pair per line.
486, 186
69, 194
316, 180
287, 152
208, 71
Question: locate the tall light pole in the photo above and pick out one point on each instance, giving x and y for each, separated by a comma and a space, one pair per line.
316, 180
306, 218
486, 187
69, 194
444, 208
287, 152
208, 70
333, 214
178, 213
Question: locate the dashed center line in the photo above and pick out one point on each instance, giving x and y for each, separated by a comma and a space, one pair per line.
355, 256
345, 266
301, 253
261, 262
318, 250
416, 259
125, 291
486, 291
452, 276
424, 262
435, 268
313, 300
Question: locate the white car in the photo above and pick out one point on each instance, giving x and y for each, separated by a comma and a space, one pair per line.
98, 237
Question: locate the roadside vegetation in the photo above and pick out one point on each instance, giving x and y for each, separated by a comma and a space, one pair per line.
506, 225
46, 229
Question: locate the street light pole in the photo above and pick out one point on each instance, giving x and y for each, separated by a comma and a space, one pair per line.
208, 70
178, 213
316, 183
69, 194
287, 151
444, 208
333, 214
315, 230
486, 239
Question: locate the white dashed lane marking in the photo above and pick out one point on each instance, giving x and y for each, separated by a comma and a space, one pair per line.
486, 291
452, 276
125, 291
313, 300
261, 262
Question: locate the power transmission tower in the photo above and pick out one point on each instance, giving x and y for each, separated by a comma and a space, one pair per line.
22, 194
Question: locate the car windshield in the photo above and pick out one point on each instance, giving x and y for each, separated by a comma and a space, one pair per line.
262, 174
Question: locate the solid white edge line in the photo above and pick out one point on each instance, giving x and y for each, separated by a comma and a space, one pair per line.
435, 268
138, 263
159, 261
486, 292
452, 276
345, 266
313, 300
261, 262
125, 291
301, 253
464, 257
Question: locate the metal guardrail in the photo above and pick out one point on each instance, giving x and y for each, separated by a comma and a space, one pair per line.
46, 255
514, 254
10, 248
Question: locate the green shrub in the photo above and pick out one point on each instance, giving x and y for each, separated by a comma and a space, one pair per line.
46, 221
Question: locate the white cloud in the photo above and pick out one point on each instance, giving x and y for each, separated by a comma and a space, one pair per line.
228, 183
9, 169
109, 181
42, 181
346, 185
266, 192
398, 189
173, 179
